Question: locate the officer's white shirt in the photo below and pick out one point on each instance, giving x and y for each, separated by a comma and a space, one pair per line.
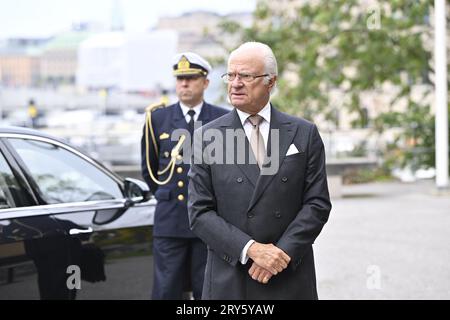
185, 109
264, 128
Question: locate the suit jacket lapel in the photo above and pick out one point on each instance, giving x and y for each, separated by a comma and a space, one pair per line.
249, 168
205, 114
179, 121
286, 134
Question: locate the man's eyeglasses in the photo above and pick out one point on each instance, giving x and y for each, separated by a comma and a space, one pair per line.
245, 77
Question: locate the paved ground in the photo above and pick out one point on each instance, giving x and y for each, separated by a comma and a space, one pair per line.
386, 241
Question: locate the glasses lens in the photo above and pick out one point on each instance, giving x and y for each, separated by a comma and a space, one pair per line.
228, 77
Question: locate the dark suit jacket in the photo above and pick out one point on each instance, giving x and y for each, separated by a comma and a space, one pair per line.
171, 218
229, 204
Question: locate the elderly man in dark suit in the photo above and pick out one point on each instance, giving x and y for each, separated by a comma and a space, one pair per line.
259, 217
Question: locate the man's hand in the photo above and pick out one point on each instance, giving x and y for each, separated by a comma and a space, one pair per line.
259, 274
269, 257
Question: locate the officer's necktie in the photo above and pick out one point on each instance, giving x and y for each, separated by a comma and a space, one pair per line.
191, 113
256, 139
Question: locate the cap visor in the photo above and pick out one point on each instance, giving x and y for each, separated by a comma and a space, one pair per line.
189, 72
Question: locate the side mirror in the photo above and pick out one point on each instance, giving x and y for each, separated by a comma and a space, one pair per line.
136, 191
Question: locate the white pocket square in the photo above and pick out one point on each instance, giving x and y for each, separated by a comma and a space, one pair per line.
292, 150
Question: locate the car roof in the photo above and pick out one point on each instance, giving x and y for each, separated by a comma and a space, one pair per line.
37, 133
29, 131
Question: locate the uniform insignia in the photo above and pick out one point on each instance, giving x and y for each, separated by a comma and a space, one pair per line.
183, 64
163, 136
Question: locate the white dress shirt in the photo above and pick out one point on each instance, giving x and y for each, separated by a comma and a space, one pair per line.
185, 109
264, 128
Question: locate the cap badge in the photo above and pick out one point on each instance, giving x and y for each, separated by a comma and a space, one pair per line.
184, 63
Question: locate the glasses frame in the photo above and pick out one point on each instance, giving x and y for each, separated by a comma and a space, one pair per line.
250, 78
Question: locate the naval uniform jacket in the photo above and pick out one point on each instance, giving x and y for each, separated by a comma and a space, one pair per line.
171, 219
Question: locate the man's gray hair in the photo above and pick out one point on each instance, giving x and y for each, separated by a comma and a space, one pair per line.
270, 62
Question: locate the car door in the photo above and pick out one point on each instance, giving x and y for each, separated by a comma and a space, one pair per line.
69, 228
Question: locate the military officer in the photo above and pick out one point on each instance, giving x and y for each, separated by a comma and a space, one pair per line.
179, 256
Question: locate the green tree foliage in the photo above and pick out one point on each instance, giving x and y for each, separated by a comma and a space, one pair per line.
347, 46
415, 146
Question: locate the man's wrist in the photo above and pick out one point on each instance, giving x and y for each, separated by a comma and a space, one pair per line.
244, 254
251, 250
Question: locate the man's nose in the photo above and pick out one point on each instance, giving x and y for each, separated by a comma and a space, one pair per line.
237, 82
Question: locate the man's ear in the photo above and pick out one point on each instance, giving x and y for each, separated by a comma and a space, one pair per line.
272, 81
205, 84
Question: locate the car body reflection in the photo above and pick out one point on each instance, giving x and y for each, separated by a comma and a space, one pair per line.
54, 215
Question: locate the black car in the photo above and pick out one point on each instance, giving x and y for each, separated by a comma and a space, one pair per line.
69, 227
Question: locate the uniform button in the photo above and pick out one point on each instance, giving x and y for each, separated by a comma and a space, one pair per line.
179, 157
166, 154
250, 215
180, 197
180, 184
179, 170
277, 214
239, 180
284, 179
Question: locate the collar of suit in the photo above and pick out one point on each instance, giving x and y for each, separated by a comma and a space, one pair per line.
264, 112
264, 127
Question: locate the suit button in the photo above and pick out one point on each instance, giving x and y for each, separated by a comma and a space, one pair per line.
180, 197
284, 179
180, 184
277, 214
250, 215
179, 170
239, 180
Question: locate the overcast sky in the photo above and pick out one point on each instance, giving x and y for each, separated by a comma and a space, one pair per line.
37, 18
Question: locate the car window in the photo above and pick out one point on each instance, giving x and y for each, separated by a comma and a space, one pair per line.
62, 176
10, 191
